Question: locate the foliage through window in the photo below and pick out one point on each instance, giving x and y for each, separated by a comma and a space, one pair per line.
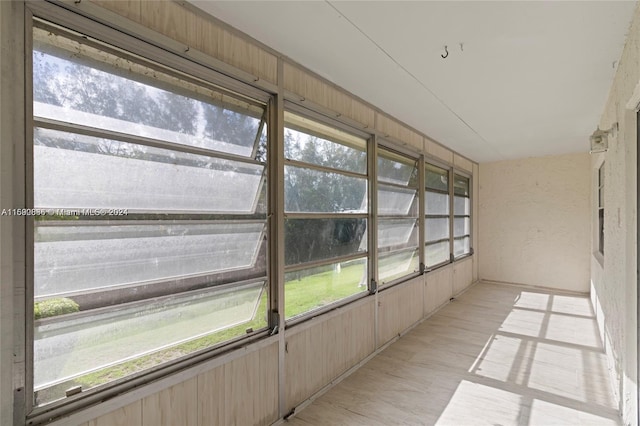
398, 249
326, 215
153, 245
461, 216
437, 216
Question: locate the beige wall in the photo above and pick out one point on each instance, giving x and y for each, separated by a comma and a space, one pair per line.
614, 282
535, 221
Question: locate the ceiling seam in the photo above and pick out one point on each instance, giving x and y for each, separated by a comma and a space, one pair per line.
417, 80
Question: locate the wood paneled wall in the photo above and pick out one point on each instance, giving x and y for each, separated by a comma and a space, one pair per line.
462, 163
438, 289
245, 390
313, 89
396, 130
320, 350
129, 415
462, 275
198, 32
399, 308
438, 151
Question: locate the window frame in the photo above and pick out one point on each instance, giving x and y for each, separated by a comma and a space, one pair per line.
292, 107
448, 168
77, 27
600, 207
390, 147
467, 175
452, 171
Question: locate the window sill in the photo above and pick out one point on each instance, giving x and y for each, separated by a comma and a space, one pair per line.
463, 257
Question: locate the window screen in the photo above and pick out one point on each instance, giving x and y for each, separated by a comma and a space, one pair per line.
151, 245
326, 215
437, 216
461, 216
398, 253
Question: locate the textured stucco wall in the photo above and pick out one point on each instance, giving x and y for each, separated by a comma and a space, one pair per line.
614, 278
535, 221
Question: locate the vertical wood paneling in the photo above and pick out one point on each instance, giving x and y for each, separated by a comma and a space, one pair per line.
297, 81
409, 137
127, 8
315, 90
323, 351
169, 19
387, 125
248, 380
267, 399
236, 51
438, 151
211, 401
196, 31
333, 339
398, 308
240, 386
130, 415
243, 391
362, 328
462, 275
295, 368
316, 365
362, 113
438, 289
395, 129
416, 140
177, 405
347, 330
462, 163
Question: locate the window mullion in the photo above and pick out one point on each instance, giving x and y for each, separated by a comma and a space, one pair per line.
451, 207
327, 221
372, 169
421, 213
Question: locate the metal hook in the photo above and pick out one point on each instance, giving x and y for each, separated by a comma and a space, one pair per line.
446, 51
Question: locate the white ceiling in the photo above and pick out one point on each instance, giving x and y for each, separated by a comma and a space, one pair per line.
530, 79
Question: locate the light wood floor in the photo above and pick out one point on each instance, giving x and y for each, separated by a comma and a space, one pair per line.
497, 355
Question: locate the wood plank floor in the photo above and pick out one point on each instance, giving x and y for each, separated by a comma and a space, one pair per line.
497, 355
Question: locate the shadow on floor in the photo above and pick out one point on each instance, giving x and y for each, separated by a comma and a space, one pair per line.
497, 355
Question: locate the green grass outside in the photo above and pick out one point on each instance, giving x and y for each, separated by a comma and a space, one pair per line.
303, 295
320, 289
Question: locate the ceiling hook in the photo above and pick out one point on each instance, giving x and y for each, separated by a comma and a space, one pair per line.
445, 51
